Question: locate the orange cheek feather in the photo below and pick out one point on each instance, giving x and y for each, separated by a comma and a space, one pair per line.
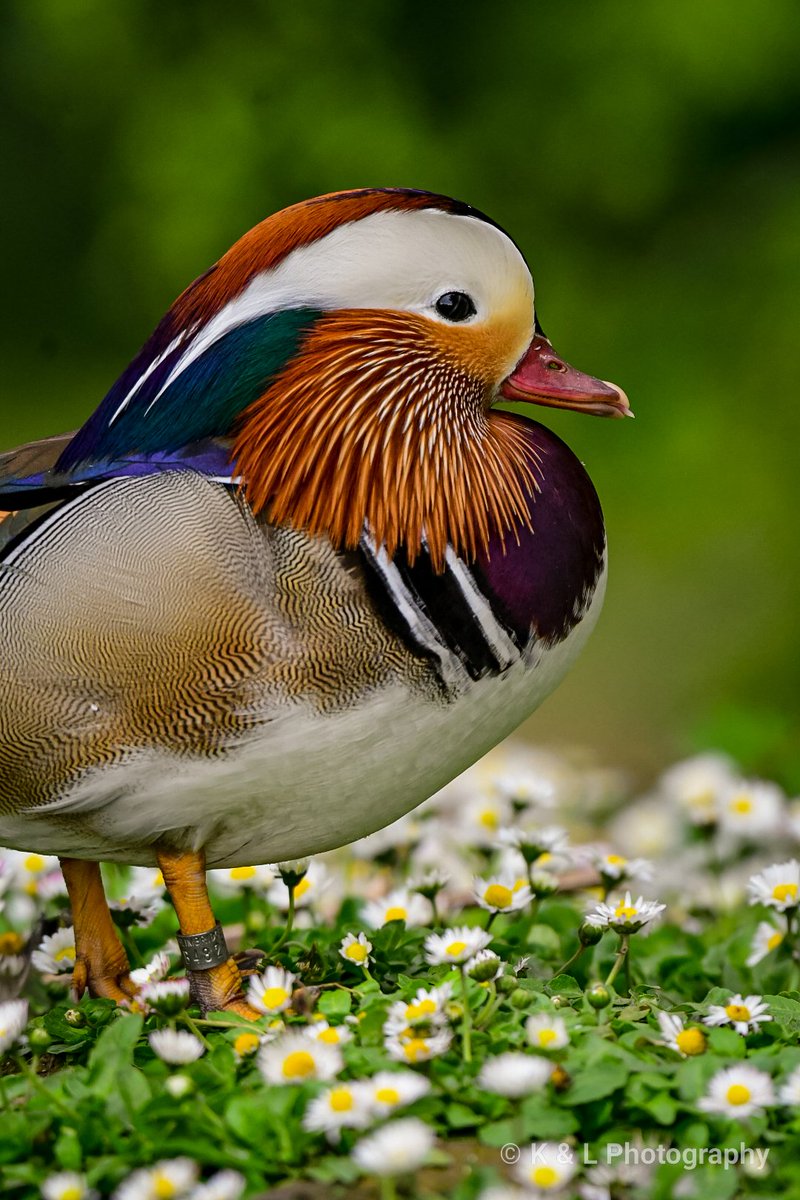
384, 417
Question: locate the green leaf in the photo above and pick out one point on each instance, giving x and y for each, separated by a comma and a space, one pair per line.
598, 1080
785, 1012
458, 1116
112, 1055
727, 1042
541, 1121
335, 1003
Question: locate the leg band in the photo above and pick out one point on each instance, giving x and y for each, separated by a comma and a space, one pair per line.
202, 951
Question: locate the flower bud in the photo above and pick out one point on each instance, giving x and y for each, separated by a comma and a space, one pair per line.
598, 995
589, 934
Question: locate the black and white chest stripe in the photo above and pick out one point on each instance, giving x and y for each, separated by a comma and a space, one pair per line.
444, 616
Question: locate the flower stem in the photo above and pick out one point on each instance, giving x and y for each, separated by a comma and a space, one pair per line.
287, 929
573, 959
388, 1188
622, 957
466, 1024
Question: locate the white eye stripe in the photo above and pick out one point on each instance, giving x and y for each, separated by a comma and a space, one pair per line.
392, 260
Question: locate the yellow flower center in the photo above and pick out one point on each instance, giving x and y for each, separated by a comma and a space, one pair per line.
546, 1036
387, 1095
11, 943
775, 940
737, 1094
298, 1065
488, 818
784, 891
498, 895
158, 880
302, 888
691, 1041
34, 862
419, 1009
238, 873
628, 911
741, 804
356, 951
738, 1012
274, 997
415, 1048
545, 1177
163, 1187
616, 860
396, 913
456, 948
328, 1035
246, 1043
64, 952
71, 1193
341, 1099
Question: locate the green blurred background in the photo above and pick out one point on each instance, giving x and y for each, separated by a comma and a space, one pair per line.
643, 156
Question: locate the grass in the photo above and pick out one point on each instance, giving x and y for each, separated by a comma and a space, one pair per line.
86, 1093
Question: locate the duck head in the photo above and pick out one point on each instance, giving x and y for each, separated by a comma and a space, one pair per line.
354, 348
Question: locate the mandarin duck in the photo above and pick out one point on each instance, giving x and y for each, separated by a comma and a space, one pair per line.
296, 571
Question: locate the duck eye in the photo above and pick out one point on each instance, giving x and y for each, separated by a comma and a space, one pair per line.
455, 306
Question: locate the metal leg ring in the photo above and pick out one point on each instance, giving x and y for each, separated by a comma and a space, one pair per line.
202, 951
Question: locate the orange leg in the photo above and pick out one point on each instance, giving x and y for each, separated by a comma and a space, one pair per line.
100, 961
219, 986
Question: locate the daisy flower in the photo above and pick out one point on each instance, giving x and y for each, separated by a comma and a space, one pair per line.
66, 1185
235, 879
153, 971
389, 1090
224, 1185
245, 1044
695, 786
427, 1007
765, 939
777, 886
399, 905
619, 869
345, 1105
166, 1180
176, 1046
396, 1149
413, 1047
13, 1019
311, 885
455, 945
356, 948
751, 810
514, 1074
790, 1088
687, 1042
547, 1167
739, 1091
501, 893
546, 1032
55, 954
296, 1058
27, 871
744, 1014
271, 992
166, 996
479, 821
332, 1035
533, 844
625, 916
484, 967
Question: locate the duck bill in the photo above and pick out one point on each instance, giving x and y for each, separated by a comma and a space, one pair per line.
541, 377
